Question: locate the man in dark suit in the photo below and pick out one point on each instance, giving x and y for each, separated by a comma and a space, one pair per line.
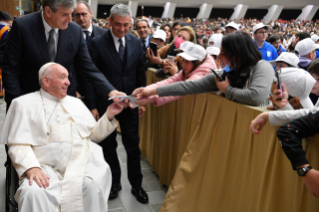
83, 16
143, 30
47, 36
120, 57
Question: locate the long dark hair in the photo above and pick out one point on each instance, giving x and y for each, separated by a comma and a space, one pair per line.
170, 29
240, 50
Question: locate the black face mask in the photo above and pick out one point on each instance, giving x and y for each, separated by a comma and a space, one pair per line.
237, 79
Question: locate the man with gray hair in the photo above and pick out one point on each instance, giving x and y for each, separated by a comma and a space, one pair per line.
49, 138
120, 57
48, 36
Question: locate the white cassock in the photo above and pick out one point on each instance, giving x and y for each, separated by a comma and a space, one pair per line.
56, 135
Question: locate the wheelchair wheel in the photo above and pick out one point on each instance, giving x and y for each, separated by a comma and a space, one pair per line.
12, 184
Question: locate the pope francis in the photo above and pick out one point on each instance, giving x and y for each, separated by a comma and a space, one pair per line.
49, 138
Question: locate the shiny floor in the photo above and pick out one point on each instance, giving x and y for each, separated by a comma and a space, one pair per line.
125, 202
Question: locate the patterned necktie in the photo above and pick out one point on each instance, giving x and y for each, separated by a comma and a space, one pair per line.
121, 50
51, 45
88, 37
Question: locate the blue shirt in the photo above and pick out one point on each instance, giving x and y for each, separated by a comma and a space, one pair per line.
147, 41
317, 54
268, 51
280, 50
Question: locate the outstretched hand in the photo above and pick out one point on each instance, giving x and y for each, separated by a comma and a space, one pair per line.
144, 92
114, 109
259, 122
119, 93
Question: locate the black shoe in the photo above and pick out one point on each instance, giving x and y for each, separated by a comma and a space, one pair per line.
116, 187
140, 195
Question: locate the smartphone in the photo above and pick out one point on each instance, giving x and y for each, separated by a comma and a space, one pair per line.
279, 86
171, 58
218, 77
153, 46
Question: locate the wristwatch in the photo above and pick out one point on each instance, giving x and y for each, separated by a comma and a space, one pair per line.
303, 171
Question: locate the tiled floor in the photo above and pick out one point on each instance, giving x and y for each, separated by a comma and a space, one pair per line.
126, 202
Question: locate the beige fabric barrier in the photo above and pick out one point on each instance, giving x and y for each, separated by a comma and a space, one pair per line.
202, 148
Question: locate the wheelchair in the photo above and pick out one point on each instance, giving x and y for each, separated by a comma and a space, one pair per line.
12, 184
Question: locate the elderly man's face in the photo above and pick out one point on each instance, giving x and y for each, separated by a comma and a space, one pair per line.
57, 85
60, 19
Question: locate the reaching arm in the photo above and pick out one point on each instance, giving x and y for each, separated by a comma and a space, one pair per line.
204, 84
84, 63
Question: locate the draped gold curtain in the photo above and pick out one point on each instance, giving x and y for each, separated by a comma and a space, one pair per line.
201, 147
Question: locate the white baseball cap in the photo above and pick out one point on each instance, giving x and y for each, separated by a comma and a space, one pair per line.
44, 67
193, 52
217, 39
298, 83
161, 34
315, 38
213, 51
184, 46
289, 58
259, 26
232, 25
306, 46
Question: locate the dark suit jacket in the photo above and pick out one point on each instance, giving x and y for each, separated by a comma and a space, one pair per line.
97, 31
81, 80
106, 58
27, 50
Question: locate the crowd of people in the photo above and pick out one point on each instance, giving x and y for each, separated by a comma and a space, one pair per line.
46, 53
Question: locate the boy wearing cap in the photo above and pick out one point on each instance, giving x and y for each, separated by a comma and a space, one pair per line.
159, 37
230, 28
268, 52
214, 52
215, 40
306, 50
296, 84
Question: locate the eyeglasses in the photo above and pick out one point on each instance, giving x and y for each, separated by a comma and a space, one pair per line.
78, 15
262, 32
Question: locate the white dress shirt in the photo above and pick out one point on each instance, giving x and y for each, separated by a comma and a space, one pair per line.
116, 41
47, 29
90, 29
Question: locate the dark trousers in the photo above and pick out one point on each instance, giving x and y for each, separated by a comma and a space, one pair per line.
128, 120
292, 133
